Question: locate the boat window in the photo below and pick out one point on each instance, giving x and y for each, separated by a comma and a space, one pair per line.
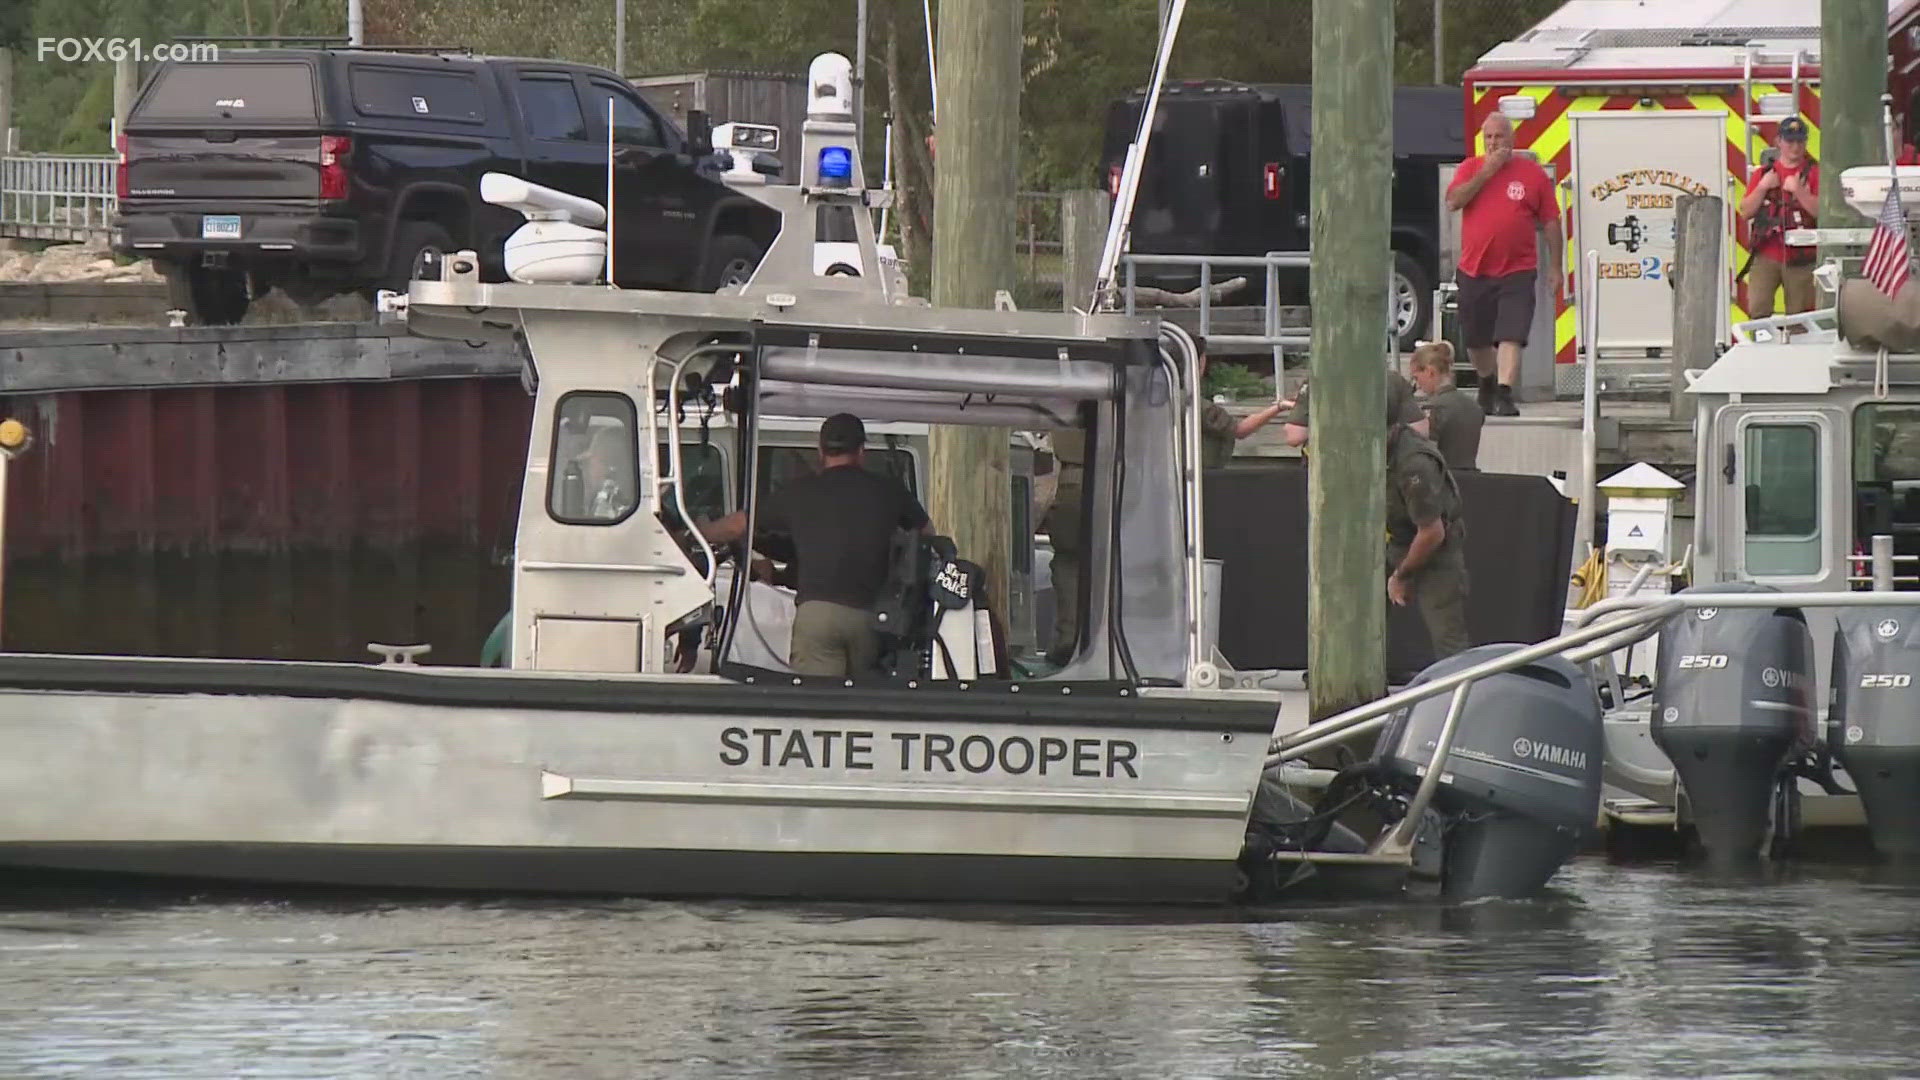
592, 475
1022, 512
706, 471
1783, 500
1886, 481
779, 464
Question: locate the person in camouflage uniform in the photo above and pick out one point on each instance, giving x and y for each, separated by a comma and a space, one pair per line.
1426, 539
1454, 418
1400, 410
1220, 429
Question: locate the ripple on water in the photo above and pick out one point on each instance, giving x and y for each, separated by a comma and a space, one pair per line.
1623, 971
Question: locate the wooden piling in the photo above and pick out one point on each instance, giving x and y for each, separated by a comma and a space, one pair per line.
1346, 486
1696, 296
973, 242
1853, 75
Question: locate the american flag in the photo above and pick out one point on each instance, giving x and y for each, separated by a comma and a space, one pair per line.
1889, 257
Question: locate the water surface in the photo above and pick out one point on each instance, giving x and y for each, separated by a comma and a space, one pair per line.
1628, 971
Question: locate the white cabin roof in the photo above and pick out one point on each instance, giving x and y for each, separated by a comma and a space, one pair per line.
1753, 368
1648, 35
1690, 14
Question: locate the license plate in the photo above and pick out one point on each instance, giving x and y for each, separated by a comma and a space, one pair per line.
220, 227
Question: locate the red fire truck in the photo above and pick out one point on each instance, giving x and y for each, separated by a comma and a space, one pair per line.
1631, 105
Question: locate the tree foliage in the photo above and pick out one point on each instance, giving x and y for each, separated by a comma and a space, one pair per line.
1079, 54
67, 107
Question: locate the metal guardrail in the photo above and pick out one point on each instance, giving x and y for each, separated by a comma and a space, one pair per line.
1272, 333
57, 196
1599, 631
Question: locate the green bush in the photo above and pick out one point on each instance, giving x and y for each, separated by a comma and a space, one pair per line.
1236, 382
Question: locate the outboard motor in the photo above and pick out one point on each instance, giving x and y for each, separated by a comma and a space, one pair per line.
1732, 702
1522, 784
1873, 728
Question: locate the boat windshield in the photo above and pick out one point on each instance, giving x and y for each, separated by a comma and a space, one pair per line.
1886, 479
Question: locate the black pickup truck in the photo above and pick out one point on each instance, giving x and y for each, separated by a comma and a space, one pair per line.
1227, 173
328, 171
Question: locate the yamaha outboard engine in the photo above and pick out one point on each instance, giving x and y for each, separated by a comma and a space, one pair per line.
1873, 728
1522, 784
1733, 700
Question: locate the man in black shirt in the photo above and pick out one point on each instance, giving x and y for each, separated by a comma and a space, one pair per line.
842, 520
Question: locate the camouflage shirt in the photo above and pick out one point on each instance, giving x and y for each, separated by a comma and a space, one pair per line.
1454, 420
1217, 435
1419, 489
1400, 406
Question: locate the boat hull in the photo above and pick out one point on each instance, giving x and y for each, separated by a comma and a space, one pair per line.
412, 777
655, 872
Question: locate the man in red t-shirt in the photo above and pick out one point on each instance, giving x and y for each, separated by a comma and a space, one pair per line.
1779, 197
1504, 201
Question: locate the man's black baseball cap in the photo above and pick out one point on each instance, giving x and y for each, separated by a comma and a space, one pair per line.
842, 433
1793, 129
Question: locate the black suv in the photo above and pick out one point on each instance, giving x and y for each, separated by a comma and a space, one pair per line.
1228, 172
328, 171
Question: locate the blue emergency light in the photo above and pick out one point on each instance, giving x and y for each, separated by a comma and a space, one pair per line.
836, 166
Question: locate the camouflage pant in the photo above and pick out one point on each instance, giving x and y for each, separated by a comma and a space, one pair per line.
1440, 591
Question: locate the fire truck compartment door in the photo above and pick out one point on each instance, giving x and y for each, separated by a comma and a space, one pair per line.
1629, 170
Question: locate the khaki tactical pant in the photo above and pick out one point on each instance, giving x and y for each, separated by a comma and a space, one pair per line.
1441, 592
1767, 275
833, 639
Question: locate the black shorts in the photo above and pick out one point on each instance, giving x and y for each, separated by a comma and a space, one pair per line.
1496, 309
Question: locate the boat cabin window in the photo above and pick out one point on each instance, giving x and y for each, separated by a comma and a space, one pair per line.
1783, 500
706, 472
1886, 480
592, 474
1022, 510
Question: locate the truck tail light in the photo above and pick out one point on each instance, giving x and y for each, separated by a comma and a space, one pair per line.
120, 182
1270, 180
333, 165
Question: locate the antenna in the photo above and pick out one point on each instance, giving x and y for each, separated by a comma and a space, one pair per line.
610, 280
1119, 227
933, 73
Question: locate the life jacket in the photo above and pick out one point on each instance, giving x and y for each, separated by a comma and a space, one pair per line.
1780, 213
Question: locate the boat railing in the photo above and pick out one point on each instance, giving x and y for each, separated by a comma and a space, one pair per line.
1272, 334
1599, 631
1780, 328
1184, 370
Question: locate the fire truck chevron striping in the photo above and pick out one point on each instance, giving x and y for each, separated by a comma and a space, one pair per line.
1549, 132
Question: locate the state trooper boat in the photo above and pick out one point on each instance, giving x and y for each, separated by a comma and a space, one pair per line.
593, 763
1807, 532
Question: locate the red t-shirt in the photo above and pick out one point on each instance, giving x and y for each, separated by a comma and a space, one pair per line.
1776, 247
1496, 228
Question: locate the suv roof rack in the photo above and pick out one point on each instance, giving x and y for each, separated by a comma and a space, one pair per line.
333, 43
313, 39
